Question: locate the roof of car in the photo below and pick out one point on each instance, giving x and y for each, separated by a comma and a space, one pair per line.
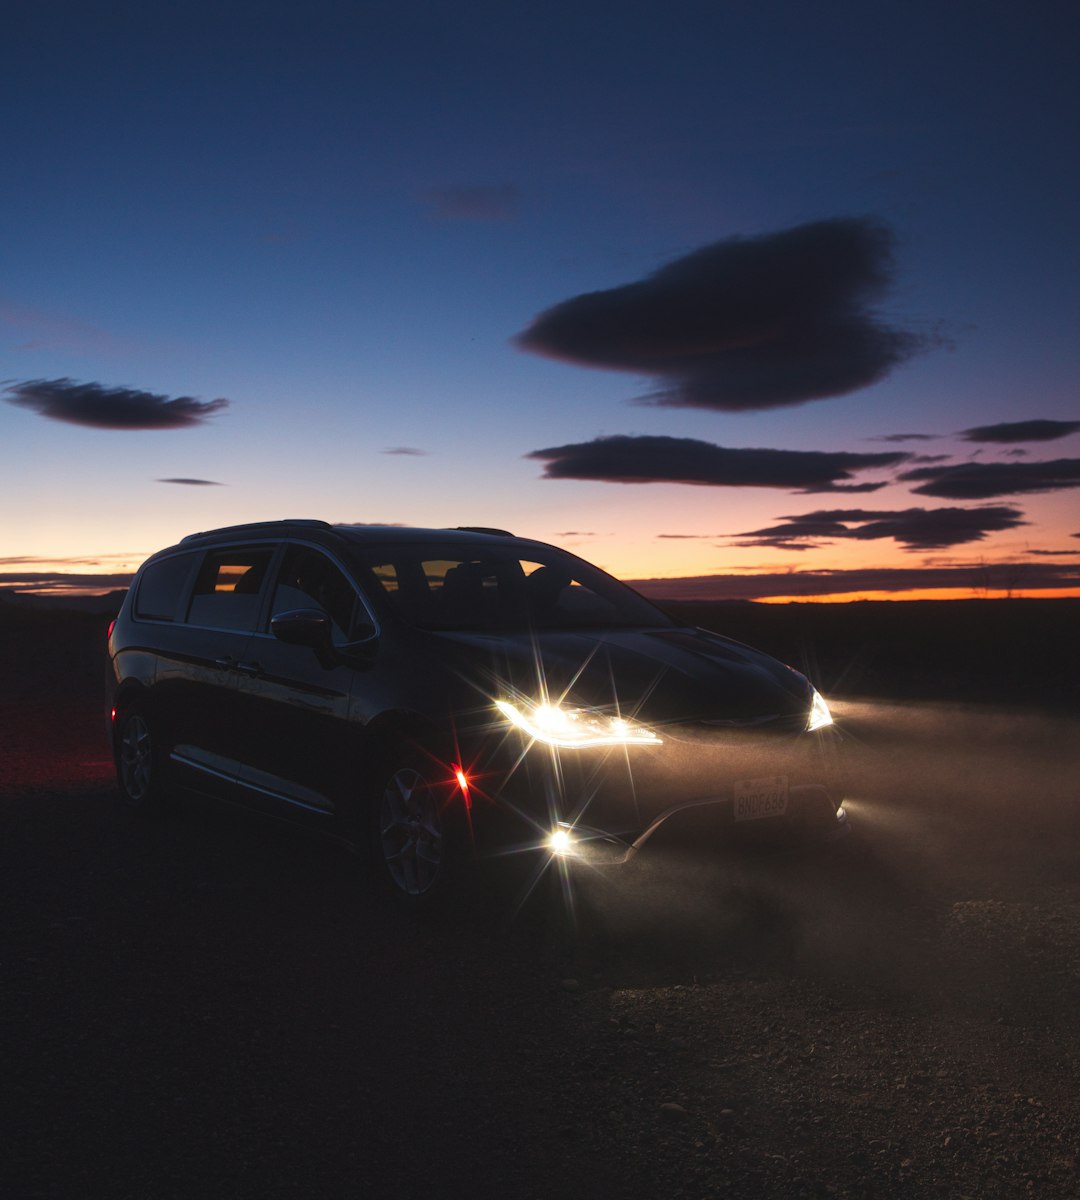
358, 533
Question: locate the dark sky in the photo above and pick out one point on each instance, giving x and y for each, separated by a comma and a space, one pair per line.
672, 274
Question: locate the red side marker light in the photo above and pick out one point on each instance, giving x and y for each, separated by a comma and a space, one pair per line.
112, 626
463, 783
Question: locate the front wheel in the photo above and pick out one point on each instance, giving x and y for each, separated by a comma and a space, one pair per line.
413, 833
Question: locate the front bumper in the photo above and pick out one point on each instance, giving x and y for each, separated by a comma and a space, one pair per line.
614, 803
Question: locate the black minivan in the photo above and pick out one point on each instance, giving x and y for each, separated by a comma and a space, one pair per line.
439, 695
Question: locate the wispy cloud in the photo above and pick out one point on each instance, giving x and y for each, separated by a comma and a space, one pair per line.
100, 407
40, 330
406, 451
193, 482
746, 323
63, 581
82, 560
475, 202
914, 528
658, 459
984, 480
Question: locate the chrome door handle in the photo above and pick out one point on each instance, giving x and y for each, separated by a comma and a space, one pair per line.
250, 668
225, 663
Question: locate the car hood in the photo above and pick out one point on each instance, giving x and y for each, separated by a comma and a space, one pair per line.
658, 676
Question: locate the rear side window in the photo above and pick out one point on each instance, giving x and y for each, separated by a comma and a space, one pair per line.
228, 588
163, 588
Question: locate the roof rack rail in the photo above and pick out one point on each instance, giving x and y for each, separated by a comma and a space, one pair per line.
252, 526
484, 529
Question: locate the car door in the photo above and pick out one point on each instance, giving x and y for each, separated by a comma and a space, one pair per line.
296, 699
202, 678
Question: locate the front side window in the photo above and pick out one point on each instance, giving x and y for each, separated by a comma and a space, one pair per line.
229, 587
308, 579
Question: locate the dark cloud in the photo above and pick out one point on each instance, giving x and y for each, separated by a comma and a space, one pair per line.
1021, 431
983, 480
407, 451
809, 584
110, 408
746, 323
781, 543
193, 482
497, 202
62, 581
659, 459
904, 437
1054, 553
915, 528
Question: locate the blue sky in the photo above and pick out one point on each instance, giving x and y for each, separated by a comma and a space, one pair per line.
339, 219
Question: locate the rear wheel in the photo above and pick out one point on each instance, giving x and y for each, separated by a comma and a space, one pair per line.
413, 831
137, 772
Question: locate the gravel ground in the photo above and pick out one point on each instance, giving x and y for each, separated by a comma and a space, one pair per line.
207, 1005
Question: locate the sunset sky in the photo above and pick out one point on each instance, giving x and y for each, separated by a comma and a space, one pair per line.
755, 300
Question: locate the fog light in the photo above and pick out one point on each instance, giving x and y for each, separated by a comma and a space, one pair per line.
560, 842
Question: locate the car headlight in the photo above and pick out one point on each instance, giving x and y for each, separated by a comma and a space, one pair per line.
574, 727
819, 713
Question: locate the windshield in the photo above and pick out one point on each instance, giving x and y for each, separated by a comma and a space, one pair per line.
500, 588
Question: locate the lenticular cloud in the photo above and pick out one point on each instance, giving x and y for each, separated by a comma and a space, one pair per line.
745, 323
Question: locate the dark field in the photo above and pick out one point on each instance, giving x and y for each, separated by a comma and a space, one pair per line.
208, 1005
991, 651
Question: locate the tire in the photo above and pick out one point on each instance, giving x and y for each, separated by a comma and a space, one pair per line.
138, 772
414, 832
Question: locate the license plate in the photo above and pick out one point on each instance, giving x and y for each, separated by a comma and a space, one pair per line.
759, 798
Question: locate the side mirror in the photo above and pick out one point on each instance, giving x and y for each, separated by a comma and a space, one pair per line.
303, 627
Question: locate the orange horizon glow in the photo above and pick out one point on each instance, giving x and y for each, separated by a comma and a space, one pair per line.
953, 593
942, 593
675, 569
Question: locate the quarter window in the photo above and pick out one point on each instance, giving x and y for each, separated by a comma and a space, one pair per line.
162, 588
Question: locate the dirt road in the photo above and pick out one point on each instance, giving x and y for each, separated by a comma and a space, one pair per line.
207, 1006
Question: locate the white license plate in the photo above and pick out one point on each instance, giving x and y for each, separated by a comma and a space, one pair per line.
759, 798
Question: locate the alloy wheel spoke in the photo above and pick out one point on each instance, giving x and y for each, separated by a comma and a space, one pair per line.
411, 832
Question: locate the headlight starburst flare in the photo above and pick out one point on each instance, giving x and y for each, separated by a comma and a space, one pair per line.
570, 728
819, 713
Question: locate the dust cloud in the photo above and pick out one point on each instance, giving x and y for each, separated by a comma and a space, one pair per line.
966, 823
